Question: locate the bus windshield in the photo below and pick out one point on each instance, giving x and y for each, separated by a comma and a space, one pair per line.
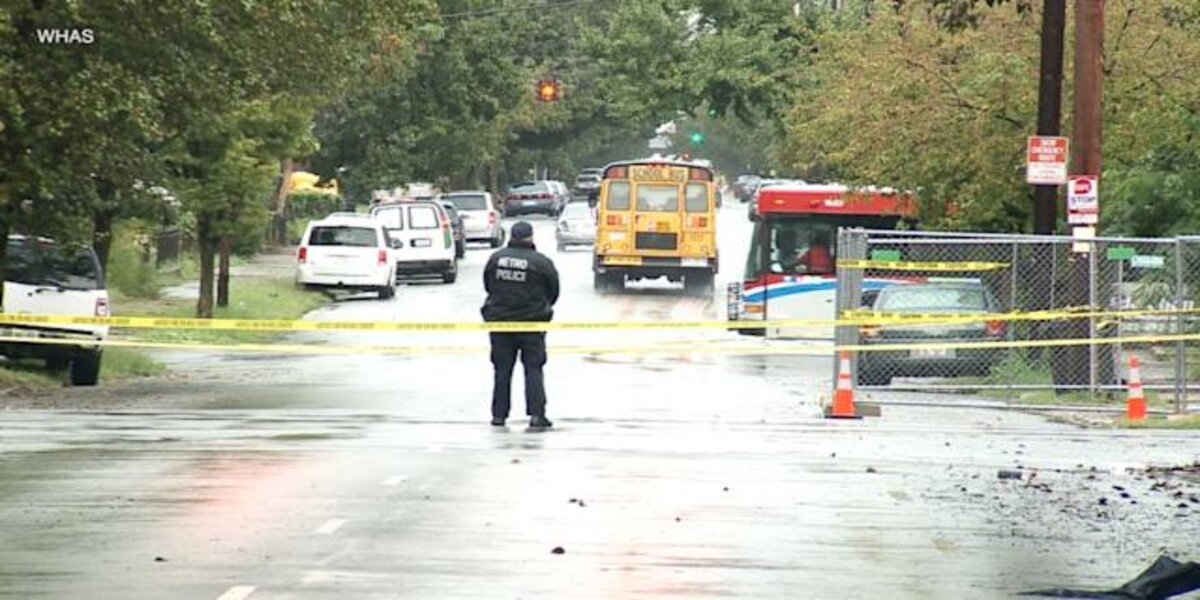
803, 244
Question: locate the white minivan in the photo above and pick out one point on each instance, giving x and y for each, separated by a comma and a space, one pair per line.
481, 220
347, 252
45, 278
425, 238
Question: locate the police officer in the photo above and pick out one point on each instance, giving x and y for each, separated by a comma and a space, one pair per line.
522, 285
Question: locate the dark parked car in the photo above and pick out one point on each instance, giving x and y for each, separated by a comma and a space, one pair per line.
456, 226
544, 197
934, 360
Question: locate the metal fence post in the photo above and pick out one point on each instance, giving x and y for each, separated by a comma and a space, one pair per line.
1180, 330
852, 245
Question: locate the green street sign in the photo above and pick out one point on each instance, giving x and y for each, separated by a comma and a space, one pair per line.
1121, 253
885, 255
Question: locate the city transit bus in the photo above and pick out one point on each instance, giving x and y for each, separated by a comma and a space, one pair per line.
792, 261
656, 218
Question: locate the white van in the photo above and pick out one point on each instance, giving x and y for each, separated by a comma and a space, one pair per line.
42, 277
347, 252
481, 220
426, 240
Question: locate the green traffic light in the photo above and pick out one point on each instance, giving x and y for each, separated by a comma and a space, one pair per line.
697, 137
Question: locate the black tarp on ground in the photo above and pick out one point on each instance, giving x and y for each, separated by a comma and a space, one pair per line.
1165, 578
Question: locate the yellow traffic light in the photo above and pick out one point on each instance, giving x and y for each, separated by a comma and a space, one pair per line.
548, 90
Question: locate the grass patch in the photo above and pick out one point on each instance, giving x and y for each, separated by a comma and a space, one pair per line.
28, 375
248, 299
1184, 422
1081, 398
127, 363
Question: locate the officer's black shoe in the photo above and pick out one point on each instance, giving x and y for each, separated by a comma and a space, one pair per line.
540, 422
497, 422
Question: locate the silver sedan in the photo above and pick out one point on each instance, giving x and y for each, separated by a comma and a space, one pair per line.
576, 226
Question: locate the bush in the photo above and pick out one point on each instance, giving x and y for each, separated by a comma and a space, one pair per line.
309, 205
131, 269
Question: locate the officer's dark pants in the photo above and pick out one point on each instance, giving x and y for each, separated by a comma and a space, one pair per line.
532, 347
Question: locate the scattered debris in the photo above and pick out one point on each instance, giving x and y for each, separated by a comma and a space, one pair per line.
1165, 578
159, 559
871, 470
558, 550
726, 488
1009, 474
573, 500
516, 461
677, 519
581, 504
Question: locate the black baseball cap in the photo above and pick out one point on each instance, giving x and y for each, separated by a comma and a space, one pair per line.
522, 230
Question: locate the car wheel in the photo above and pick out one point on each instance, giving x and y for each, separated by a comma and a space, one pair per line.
497, 241
450, 276
460, 250
85, 368
387, 292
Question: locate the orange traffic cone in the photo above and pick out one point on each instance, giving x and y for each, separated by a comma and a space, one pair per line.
843, 396
1135, 409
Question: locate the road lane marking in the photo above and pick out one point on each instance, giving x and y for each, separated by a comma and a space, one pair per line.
331, 526
393, 481
237, 592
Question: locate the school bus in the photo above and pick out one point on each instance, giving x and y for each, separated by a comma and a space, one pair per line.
656, 218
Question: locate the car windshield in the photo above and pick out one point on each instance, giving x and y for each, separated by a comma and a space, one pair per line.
469, 202
531, 187
37, 262
920, 298
337, 235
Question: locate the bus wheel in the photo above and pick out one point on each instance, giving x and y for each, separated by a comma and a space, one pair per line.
700, 284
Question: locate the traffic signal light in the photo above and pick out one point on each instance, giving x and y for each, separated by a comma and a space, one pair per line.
697, 138
549, 90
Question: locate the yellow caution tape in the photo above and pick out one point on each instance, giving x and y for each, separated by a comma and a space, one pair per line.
762, 349
849, 318
940, 266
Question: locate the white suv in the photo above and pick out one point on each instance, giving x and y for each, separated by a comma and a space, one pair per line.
347, 252
425, 239
42, 277
481, 220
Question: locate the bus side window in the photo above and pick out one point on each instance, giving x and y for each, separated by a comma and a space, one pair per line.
618, 196
697, 198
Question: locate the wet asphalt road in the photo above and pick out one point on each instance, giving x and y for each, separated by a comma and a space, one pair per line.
673, 475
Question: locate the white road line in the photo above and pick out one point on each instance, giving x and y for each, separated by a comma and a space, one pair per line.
331, 526
237, 592
393, 481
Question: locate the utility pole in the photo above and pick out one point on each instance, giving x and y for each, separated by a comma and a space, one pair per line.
1045, 197
1089, 49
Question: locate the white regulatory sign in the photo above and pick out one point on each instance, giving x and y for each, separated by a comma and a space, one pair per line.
1083, 193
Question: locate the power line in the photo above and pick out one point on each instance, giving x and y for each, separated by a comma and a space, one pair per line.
493, 11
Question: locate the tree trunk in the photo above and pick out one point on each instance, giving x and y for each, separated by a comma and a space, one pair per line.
5, 226
102, 234
223, 247
208, 247
279, 216
494, 181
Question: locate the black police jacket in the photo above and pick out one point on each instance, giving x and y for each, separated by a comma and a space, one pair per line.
522, 284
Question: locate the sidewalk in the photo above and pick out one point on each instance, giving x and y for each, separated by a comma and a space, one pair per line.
272, 263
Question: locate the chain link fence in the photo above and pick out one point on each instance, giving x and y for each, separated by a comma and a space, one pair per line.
1015, 314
